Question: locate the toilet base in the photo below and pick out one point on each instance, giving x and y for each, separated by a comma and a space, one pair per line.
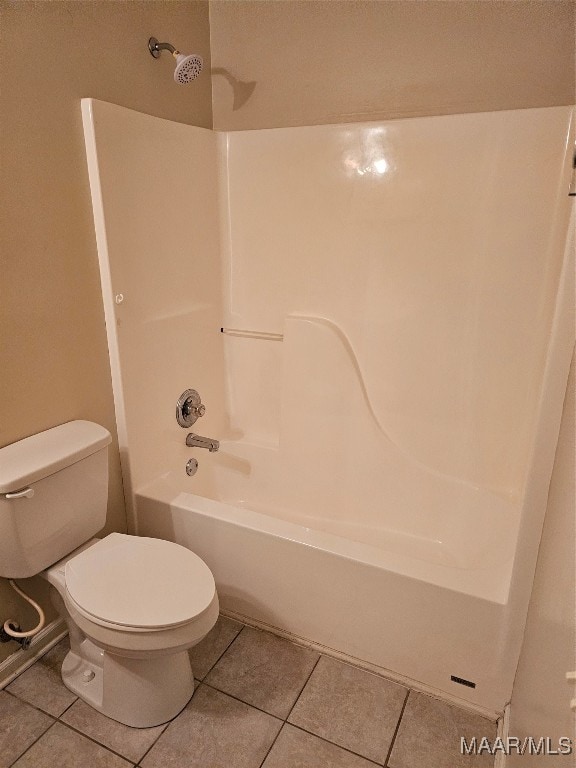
137, 692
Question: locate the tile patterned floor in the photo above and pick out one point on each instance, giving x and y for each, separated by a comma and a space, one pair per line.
260, 702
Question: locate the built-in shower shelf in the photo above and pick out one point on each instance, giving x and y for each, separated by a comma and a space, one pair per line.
253, 334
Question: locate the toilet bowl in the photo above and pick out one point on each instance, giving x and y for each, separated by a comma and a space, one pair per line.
134, 606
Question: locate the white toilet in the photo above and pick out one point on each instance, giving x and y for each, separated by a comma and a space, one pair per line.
133, 605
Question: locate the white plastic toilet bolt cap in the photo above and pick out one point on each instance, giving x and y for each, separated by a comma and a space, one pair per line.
138, 582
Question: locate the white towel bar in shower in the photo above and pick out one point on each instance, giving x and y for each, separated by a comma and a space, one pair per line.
252, 334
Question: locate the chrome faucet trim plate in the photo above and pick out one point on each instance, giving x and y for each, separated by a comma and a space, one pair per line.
189, 408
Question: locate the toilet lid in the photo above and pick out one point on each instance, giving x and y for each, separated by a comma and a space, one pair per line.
135, 581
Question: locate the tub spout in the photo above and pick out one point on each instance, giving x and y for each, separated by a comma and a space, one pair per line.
196, 441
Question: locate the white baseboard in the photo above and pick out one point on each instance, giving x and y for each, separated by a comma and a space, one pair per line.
20, 660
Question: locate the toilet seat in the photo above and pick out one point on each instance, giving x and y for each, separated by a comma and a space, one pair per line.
138, 584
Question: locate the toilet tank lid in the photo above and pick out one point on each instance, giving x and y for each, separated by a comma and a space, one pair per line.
41, 455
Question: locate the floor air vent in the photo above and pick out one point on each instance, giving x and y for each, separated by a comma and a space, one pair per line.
461, 681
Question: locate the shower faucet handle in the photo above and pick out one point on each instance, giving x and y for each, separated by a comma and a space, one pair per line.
189, 408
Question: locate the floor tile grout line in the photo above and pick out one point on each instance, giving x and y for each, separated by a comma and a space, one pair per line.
395, 734
286, 722
315, 734
304, 686
34, 706
335, 744
290, 711
223, 652
231, 695
34, 742
95, 741
273, 742
162, 732
68, 707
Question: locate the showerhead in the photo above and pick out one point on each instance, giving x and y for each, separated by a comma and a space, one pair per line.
188, 67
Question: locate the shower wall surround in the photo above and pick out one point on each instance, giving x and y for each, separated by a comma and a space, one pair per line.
423, 249
397, 296
158, 244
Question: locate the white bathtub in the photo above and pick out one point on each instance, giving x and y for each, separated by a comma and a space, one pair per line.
415, 608
389, 403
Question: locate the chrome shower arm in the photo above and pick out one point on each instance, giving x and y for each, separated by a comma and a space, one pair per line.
155, 47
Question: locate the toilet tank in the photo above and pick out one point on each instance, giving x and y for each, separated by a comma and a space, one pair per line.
53, 495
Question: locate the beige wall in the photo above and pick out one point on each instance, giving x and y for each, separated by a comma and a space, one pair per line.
328, 61
53, 354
